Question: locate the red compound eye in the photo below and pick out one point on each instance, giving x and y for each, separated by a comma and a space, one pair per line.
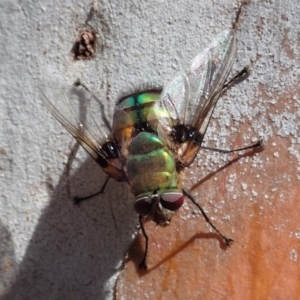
171, 200
143, 206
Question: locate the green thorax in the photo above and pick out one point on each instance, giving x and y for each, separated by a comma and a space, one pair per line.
136, 110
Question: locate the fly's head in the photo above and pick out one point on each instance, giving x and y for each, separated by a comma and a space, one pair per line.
159, 207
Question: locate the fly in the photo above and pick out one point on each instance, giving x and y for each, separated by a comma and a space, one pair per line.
156, 134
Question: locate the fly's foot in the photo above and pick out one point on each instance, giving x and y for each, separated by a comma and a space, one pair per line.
228, 242
143, 265
77, 200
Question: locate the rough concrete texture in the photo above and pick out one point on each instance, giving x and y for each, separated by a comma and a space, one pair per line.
51, 249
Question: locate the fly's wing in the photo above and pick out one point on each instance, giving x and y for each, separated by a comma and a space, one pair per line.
190, 98
75, 109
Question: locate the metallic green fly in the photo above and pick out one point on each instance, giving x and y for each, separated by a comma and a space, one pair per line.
156, 134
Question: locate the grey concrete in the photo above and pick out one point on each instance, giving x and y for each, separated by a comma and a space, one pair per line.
52, 249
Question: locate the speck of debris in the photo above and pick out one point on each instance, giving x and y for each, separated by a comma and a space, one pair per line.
84, 47
244, 186
3, 151
293, 255
254, 193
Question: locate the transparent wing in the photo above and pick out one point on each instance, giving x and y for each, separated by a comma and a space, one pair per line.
190, 97
75, 109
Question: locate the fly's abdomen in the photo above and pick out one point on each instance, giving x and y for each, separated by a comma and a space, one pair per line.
150, 166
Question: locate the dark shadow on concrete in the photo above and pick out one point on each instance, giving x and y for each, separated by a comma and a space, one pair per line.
76, 249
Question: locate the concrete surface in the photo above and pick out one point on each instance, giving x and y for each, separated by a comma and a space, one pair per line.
51, 249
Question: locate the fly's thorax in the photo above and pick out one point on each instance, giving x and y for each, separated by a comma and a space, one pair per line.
134, 109
150, 166
159, 207
134, 114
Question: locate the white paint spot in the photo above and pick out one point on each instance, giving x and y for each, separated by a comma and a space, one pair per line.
254, 193
244, 186
293, 255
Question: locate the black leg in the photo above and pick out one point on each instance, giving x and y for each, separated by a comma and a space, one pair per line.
236, 79
226, 240
143, 264
78, 200
257, 144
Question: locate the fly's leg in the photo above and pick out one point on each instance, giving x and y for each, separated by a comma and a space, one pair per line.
257, 144
237, 78
143, 264
78, 200
227, 241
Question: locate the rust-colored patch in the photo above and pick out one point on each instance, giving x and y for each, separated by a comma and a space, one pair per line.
188, 261
253, 200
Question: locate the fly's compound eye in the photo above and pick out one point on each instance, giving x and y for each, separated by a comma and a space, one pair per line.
171, 200
143, 206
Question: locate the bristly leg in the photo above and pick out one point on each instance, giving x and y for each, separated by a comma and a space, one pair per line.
237, 78
257, 144
143, 264
227, 241
78, 200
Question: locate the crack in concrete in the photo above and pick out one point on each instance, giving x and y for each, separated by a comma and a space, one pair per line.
239, 13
